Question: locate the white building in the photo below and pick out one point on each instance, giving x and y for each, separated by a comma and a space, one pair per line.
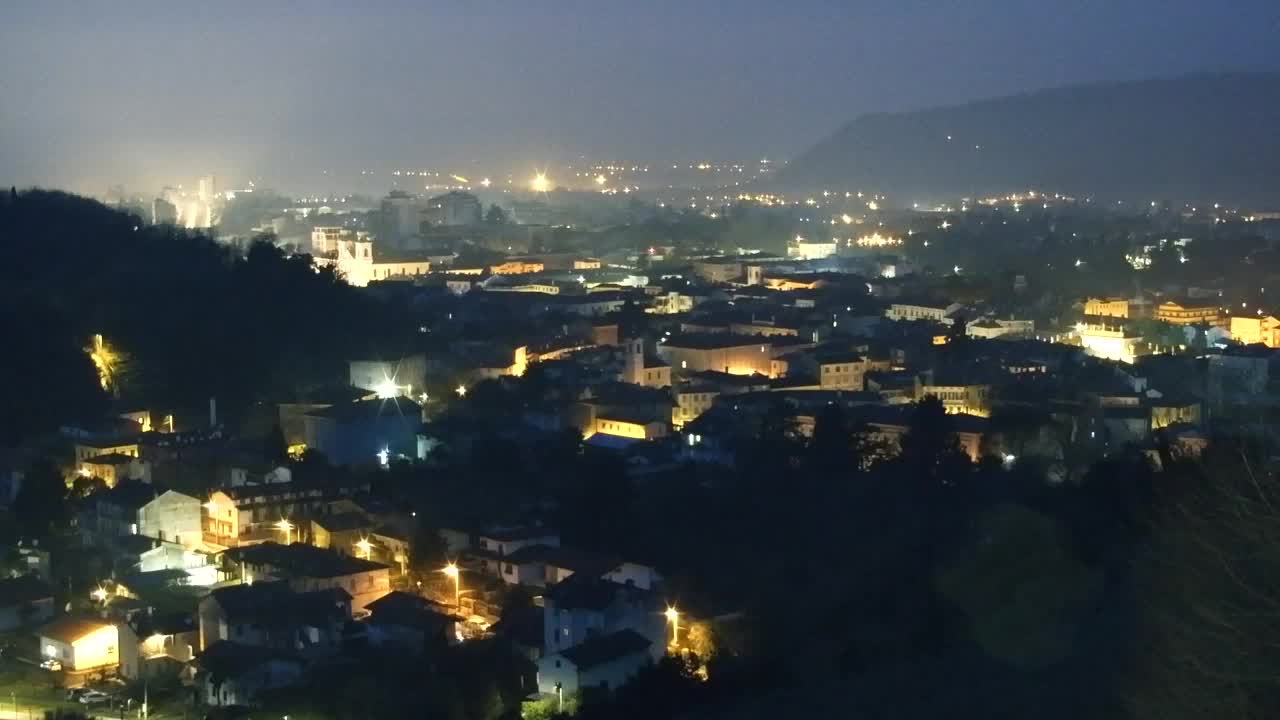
802, 249
453, 208
173, 517
80, 643
354, 260
1108, 343
605, 662
935, 312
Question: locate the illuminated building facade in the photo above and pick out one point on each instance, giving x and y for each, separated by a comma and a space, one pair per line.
1188, 314
1254, 330
722, 352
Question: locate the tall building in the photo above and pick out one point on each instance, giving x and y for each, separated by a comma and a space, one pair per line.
206, 188
453, 208
163, 212
401, 216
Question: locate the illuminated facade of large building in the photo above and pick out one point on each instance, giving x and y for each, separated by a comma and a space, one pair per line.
721, 352
1188, 314
1108, 343
1253, 330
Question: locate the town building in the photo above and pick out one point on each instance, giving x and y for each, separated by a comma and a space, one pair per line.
305, 569
604, 662
232, 674
157, 646
1188, 312
1263, 329
452, 209
724, 352
80, 643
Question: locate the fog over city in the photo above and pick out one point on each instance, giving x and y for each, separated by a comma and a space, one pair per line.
147, 94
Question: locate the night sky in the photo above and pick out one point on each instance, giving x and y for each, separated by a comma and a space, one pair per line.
152, 93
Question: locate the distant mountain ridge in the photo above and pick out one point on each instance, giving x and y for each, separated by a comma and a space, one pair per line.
1195, 138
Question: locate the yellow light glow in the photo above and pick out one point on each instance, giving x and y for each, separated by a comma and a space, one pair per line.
600, 179
540, 183
485, 182
364, 546
461, 390
104, 360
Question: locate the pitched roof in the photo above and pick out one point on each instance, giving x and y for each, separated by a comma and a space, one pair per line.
276, 601
583, 591
606, 648
401, 608
69, 629
302, 560
225, 659
354, 520
579, 561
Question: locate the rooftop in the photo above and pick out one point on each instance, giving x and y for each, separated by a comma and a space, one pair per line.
606, 648
302, 560
70, 629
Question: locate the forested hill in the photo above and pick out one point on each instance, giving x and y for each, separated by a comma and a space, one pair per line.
1200, 138
193, 317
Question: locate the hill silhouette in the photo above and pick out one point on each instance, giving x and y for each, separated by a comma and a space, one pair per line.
1196, 138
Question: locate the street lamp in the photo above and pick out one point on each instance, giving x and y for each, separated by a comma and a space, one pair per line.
287, 527
452, 571
673, 617
364, 546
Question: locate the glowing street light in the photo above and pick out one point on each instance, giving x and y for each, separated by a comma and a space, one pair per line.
366, 547
461, 390
287, 527
540, 183
452, 571
99, 594
485, 182
387, 389
673, 617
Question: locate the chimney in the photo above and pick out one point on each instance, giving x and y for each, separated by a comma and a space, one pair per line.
213, 412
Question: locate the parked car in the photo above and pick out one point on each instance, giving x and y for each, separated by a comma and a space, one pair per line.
93, 697
51, 665
73, 694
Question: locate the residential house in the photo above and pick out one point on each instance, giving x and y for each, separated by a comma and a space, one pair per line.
220, 519
80, 643
273, 615
411, 623
232, 674
582, 607
604, 662
172, 516
306, 568
113, 467
157, 646
24, 600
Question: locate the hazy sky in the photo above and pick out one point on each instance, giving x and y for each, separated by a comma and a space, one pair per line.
150, 93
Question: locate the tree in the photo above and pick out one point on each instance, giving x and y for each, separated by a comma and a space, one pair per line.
41, 502
275, 448
495, 215
1208, 592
